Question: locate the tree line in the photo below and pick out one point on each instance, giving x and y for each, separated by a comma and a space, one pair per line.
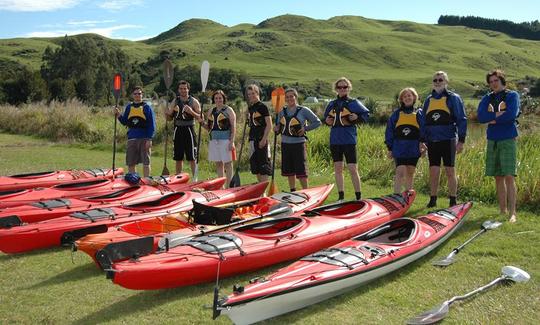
526, 30
82, 67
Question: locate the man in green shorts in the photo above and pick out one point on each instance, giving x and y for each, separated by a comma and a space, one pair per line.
500, 109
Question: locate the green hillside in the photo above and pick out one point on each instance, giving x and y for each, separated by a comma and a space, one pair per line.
379, 56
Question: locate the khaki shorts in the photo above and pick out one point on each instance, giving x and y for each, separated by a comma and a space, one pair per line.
218, 150
137, 153
501, 158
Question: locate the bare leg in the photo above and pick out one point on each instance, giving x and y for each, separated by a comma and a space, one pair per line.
146, 170
179, 166
409, 178
228, 172
131, 169
355, 177
501, 194
511, 192
303, 182
338, 173
192, 164
292, 181
262, 178
434, 174
219, 168
399, 178
452, 181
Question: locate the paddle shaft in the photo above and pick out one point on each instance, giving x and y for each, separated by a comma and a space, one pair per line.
241, 147
114, 136
274, 153
467, 295
457, 249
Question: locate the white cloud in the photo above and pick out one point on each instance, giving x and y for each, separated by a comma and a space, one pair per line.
115, 5
89, 23
105, 31
37, 5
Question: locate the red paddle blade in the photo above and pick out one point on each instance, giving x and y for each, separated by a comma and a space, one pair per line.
117, 85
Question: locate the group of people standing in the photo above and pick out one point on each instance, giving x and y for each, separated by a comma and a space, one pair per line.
439, 128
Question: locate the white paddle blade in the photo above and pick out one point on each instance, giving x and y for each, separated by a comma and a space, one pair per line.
205, 71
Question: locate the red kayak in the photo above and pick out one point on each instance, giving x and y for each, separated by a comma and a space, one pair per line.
50, 209
65, 230
81, 189
343, 267
141, 237
181, 262
48, 179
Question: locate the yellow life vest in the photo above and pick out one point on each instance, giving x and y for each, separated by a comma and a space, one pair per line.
438, 112
136, 117
407, 126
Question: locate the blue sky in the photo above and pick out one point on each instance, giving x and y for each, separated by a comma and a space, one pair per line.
140, 19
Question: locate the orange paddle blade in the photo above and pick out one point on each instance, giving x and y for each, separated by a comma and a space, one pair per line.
278, 99
273, 189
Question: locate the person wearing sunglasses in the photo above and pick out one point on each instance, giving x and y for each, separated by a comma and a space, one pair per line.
342, 115
500, 109
445, 131
139, 118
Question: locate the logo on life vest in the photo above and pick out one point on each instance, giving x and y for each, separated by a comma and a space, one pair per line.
406, 131
135, 121
436, 116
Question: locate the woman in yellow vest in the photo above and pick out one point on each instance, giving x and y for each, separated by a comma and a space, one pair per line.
404, 139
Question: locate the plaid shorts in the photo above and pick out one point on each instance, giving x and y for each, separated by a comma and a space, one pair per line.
501, 158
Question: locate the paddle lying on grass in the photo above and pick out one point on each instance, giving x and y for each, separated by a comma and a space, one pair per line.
117, 89
509, 274
278, 99
487, 225
205, 71
168, 75
235, 180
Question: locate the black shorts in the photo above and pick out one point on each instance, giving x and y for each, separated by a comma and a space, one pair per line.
293, 159
259, 162
185, 143
406, 161
340, 150
442, 150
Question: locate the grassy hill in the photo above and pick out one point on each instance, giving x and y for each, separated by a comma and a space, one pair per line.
379, 56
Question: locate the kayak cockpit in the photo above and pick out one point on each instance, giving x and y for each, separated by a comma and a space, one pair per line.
160, 203
79, 185
393, 232
343, 210
273, 228
114, 195
34, 175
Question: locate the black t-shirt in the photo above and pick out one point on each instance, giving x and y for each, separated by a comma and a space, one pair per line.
257, 121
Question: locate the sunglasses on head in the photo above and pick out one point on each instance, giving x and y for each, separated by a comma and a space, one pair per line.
438, 80
342, 87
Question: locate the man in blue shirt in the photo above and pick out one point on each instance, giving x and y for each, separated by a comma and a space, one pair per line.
139, 118
500, 109
445, 131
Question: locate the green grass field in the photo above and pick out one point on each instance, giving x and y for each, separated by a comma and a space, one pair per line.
56, 286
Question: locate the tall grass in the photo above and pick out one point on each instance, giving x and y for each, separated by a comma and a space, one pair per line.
93, 127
